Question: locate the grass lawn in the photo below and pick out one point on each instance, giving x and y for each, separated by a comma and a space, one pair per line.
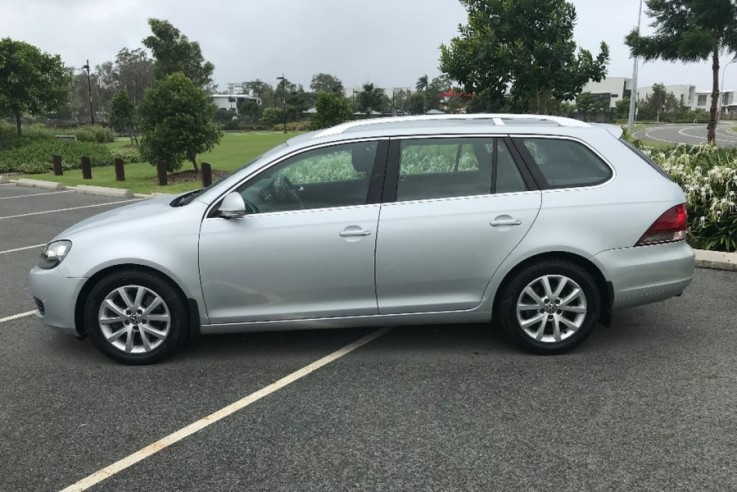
734, 129
234, 150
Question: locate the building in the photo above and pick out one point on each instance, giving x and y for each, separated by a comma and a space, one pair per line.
230, 101
618, 88
685, 93
615, 88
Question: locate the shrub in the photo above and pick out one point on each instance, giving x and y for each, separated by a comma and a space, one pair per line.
96, 134
293, 126
35, 157
708, 175
128, 154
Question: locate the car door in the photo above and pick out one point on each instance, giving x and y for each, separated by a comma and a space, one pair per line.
454, 209
305, 248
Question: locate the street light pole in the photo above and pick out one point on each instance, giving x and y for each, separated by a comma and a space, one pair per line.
721, 88
89, 91
284, 98
633, 91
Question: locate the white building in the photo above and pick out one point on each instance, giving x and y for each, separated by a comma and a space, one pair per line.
230, 101
617, 88
685, 93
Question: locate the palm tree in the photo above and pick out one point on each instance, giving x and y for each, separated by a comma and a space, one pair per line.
422, 83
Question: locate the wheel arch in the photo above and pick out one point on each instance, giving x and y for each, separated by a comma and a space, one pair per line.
192, 306
604, 287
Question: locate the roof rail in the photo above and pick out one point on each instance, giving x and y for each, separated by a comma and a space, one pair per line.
497, 119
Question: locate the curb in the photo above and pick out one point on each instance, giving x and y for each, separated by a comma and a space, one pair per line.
104, 191
35, 183
716, 260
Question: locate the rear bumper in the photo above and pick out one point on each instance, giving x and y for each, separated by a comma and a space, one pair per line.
645, 274
58, 295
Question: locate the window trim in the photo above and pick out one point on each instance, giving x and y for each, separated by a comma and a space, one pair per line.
391, 180
537, 173
376, 181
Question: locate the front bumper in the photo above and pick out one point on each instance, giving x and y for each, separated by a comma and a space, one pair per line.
58, 296
645, 274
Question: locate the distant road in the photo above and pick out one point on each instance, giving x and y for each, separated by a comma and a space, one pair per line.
692, 134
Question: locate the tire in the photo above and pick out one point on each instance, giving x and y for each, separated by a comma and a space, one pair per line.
529, 311
136, 317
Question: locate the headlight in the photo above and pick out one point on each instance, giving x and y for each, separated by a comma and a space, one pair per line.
54, 253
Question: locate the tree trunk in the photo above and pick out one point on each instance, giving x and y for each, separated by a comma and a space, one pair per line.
711, 129
17, 123
194, 163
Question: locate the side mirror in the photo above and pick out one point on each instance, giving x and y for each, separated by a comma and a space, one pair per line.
233, 206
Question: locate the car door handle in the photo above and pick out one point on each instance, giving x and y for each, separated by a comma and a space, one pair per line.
505, 222
355, 233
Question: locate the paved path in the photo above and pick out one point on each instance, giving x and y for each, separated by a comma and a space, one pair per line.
689, 134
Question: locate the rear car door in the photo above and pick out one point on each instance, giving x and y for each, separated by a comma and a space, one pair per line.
454, 208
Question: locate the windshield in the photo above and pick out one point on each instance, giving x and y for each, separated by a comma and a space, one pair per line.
186, 198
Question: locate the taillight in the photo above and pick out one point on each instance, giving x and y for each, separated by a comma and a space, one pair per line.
670, 227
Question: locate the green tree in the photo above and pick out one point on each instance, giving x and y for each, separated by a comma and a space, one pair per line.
524, 48
690, 31
262, 90
134, 73
176, 122
416, 103
332, 109
370, 99
31, 81
422, 83
173, 52
589, 103
622, 109
656, 100
271, 116
123, 115
324, 82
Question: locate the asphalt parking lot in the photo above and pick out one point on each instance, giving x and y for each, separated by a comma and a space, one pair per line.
649, 403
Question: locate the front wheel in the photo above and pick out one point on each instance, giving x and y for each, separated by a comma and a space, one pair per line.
135, 317
550, 307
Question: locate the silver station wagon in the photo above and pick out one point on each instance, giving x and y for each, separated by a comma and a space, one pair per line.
542, 225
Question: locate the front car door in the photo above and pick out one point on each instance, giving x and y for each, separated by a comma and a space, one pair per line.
305, 249
455, 208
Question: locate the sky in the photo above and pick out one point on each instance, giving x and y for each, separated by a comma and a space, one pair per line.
388, 42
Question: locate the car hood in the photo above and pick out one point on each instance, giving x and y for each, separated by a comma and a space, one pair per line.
147, 208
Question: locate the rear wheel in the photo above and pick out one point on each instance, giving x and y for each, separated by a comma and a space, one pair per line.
550, 307
135, 317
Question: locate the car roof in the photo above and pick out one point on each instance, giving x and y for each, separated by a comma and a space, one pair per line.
503, 124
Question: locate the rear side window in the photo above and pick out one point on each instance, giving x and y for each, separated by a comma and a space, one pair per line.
566, 163
455, 167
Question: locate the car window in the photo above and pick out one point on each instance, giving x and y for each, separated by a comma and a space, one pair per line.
566, 163
336, 176
453, 167
508, 177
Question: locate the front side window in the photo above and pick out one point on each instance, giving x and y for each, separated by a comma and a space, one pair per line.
566, 163
454, 167
336, 176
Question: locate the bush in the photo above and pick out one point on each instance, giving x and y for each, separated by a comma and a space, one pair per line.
293, 126
96, 134
128, 154
708, 175
35, 157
